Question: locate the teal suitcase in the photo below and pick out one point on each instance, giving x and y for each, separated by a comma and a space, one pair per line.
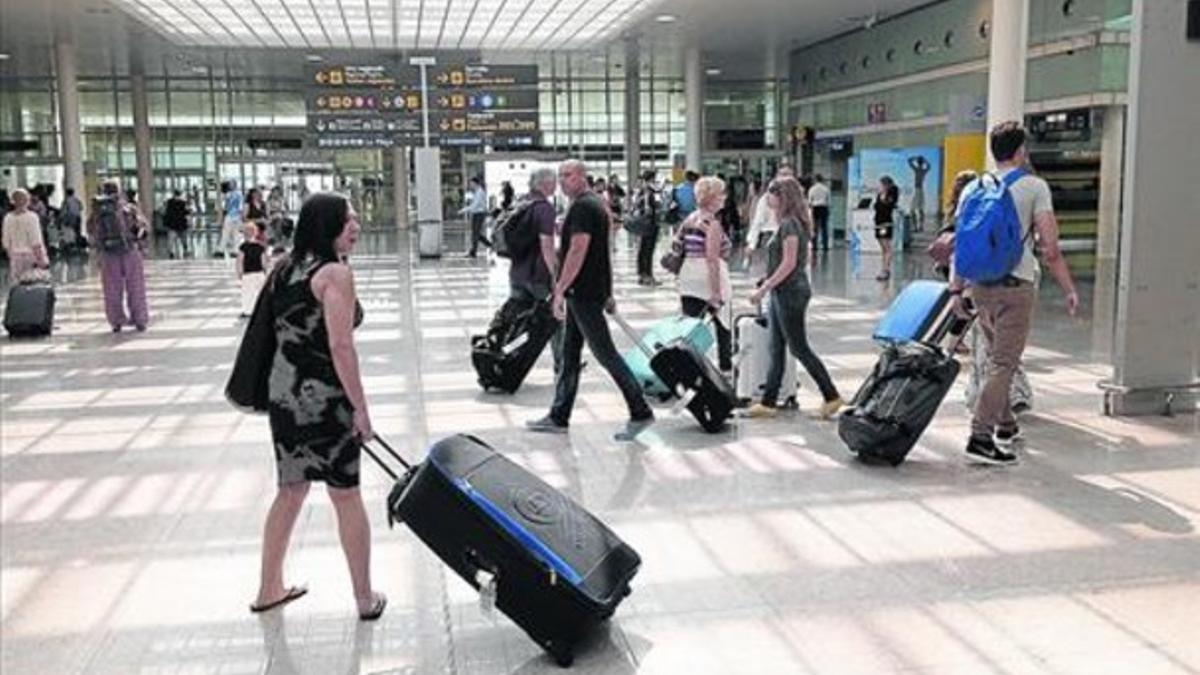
693, 331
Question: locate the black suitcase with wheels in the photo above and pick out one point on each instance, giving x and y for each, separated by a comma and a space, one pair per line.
897, 402
546, 562
512, 345
689, 374
30, 310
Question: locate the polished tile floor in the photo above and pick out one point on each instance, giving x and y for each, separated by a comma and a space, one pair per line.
133, 496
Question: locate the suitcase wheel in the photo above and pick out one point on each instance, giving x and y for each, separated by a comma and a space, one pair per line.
563, 657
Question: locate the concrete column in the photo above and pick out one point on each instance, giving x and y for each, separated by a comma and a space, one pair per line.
141, 135
1156, 350
1112, 159
68, 109
633, 114
693, 94
1006, 65
400, 185
17, 124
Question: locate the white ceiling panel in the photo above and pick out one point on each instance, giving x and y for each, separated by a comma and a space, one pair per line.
383, 24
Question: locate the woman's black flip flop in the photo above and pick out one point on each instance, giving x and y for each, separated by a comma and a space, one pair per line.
293, 593
376, 609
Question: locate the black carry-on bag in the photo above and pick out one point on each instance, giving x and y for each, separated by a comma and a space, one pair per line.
700, 386
504, 355
545, 561
902, 394
30, 310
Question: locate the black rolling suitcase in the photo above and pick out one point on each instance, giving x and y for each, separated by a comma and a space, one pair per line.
505, 354
546, 562
902, 394
30, 310
699, 384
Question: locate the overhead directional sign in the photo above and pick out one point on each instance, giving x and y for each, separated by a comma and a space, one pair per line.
374, 105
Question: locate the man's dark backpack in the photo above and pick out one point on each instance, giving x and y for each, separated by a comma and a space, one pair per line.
515, 233
112, 236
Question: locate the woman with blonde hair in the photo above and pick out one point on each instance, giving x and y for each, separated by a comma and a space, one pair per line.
787, 284
704, 285
22, 238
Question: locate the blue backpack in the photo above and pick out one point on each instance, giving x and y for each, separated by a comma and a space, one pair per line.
988, 242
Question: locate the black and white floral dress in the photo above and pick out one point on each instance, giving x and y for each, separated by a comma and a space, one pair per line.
311, 417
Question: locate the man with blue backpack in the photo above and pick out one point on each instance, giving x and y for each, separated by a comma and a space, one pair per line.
1000, 217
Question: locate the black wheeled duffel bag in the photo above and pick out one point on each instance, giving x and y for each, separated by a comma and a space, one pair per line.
547, 563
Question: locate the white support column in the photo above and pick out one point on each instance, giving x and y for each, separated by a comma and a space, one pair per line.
1156, 352
633, 114
141, 134
67, 85
693, 94
400, 185
1112, 159
1006, 64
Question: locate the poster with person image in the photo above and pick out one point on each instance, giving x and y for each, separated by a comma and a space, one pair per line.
917, 172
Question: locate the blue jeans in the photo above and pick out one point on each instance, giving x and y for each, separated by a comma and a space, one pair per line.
586, 323
785, 322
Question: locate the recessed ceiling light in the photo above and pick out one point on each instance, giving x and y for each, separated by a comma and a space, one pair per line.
4, 57
666, 18
713, 71
200, 69
314, 58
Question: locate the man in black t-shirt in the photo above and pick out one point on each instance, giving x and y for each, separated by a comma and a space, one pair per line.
582, 293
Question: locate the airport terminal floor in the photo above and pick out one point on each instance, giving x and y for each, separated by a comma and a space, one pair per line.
134, 496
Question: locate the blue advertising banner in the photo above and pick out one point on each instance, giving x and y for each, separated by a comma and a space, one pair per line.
917, 171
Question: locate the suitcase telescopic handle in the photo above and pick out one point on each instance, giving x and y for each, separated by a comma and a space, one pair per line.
389, 450
633, 335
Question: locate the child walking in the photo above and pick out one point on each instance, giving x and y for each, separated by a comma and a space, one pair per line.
252, 265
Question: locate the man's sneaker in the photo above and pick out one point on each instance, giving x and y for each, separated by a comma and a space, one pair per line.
830, 408
984, 450
546, 425
632, 429
1020, 407
1006, 438
758, 411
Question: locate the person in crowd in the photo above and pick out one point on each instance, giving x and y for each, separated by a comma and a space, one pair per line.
729, 214
616, 197
887, 198
231, 217
21, 237
276, 211
704, 286
39, 204
5, 202
1005, 308
762, 223
531, 274
255, 210
118, 231
175, 219
818, 200
476, 209
318, 409
252, 265
683, 197
786, 284
582, 293
507, 195
646, 205
70, 216
942, 247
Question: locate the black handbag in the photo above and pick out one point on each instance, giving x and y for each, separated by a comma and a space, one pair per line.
673, 260
247, 389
